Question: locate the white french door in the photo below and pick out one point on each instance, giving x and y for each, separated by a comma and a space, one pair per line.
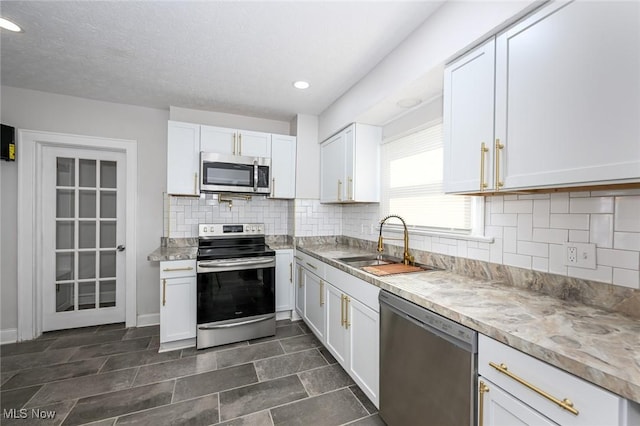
83, 233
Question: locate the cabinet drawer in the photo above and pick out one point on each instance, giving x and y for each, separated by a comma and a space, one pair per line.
594, 405
178, 268
354, 287
310, 263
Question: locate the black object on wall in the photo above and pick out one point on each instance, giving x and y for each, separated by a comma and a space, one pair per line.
8, 143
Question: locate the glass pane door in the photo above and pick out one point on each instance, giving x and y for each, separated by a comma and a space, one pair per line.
85, 234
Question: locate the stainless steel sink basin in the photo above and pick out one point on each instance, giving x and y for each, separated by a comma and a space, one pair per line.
369, 260
377, 260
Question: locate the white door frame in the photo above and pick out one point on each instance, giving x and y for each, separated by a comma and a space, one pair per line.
29, 163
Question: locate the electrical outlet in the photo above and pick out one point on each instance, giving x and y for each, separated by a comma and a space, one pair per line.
580, 255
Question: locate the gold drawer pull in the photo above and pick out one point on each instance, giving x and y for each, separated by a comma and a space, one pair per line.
482, 389
321, 293
291, 272
342, 310
499, 148
311, 265
188, 268
164, 292
347, 324
564, 403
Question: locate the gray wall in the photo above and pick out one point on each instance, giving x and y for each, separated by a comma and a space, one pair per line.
33, 110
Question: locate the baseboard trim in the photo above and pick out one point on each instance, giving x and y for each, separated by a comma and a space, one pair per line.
148, 319
9, 335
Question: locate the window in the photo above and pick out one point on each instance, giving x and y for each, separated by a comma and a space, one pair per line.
412, 170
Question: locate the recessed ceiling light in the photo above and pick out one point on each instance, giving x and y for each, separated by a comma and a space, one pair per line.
300, 84
8, 25
408, 102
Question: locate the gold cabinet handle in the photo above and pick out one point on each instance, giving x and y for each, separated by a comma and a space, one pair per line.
347, 324
321, 293
342, 310
188, 268
233, 145
311, 265
483, 152
562, 403
164, 292
339, 190
239, 143
299, 276
291, 272
297, 257
499, 147
482, 389
350, 189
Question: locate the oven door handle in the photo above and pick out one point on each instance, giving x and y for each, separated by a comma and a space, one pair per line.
235, 324
214, 266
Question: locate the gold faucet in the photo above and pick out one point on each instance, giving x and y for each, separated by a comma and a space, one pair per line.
407, 258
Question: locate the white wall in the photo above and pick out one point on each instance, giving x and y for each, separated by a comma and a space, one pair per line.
445, 34
33, 110
233, 121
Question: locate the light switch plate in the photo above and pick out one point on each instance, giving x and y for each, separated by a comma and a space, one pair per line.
580, 255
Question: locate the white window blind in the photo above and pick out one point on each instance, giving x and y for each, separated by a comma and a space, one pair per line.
412, 170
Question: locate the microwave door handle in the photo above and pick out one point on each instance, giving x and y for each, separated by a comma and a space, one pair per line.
255, 176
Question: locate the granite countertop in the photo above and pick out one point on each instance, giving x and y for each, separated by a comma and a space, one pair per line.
599, 346
173, 253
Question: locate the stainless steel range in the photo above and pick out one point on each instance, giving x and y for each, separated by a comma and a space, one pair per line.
236, 284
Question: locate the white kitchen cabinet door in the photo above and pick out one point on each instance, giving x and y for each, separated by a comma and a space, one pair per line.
183, 158
468, 121
498, 408
337, 335
300, 296
283, 166
254, 144
568, 96
284, 280
218, 139
332, 158
314, 310
177, 301
363, 325
350, 165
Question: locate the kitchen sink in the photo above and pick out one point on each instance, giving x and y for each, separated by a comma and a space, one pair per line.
369, 262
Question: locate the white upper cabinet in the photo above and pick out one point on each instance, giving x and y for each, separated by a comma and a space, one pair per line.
468, 118
568, 95
183, 158
567, 102
235, 142
283, 166
350, 165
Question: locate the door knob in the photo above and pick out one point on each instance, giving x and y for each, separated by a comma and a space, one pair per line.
120, 248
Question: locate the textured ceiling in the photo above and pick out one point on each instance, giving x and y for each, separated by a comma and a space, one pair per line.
235, 57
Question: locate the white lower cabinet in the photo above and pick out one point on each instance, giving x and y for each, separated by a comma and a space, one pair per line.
501, 409
363, 324
314, 311
177, 304
522, 390
337, 333
284, 280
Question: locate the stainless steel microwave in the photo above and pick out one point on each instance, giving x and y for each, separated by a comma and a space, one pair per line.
234, 173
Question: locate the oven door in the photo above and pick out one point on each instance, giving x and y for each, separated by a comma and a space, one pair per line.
235, 289
232, 173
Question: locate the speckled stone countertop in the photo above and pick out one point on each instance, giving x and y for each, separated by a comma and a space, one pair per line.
599, 346
173, 253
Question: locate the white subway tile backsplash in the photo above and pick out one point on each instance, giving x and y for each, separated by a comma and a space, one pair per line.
519, 206
547, 235
496, 251
591, 205
525, 227
580, 194
533, 249
618, 258
569, 221
517, 260
626, 241
510, 240
559, 203
602, 273
627, 215
578, 236
556, 259
541, 210
504, 219
540, 264
479, 254
497, 204
626, 277
601, 230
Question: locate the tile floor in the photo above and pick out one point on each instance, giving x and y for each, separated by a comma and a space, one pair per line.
110, 375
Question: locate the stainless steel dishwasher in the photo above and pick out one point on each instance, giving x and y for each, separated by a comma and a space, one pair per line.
428, 366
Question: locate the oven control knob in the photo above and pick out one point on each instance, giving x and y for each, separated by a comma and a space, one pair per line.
204, 229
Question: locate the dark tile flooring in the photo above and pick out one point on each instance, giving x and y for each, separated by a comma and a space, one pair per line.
110, 375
